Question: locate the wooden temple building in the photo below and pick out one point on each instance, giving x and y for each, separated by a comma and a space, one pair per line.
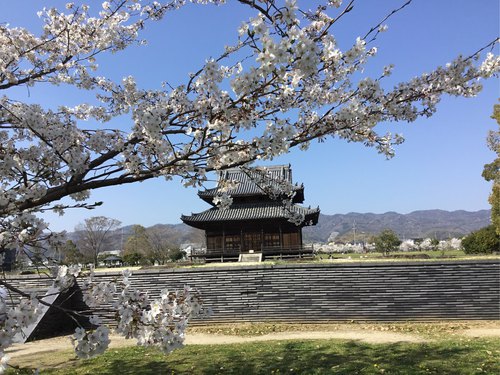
254, 223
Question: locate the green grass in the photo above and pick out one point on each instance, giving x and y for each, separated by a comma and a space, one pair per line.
400, 256
464, 356
408, 255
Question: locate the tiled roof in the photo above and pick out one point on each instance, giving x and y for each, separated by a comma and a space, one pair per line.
276, 172
250, 211
247, 186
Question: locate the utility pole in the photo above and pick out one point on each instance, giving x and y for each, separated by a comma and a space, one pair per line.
121, 246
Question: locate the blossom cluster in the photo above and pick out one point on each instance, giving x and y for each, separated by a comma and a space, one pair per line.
88, 344
65, 276
279, 189
406, 245
223, 201
157, 322
429, 244
163, 324
13, 320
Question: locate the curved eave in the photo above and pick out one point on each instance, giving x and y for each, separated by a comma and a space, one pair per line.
312, 218
248, 212
193, 223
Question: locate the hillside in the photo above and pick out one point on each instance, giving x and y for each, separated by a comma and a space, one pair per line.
419, 224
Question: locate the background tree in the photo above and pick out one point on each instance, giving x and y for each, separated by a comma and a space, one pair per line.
70, 253
153, 244
162, 248
93, 235
176, 254
491, 171
482, 241
434, 243
138, 243
134, 259
387, 241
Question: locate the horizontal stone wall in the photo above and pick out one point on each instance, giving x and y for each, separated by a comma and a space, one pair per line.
338, 292
326, 292
31, 284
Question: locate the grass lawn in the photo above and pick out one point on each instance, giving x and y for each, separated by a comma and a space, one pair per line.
400, 256
372, 256
458, 356
307, 357
408, 255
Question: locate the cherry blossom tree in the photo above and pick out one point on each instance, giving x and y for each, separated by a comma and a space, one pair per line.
282, 85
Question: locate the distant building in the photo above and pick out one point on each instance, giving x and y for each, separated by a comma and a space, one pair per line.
110, 252
110, 258
254, 222
188, 248
112, 261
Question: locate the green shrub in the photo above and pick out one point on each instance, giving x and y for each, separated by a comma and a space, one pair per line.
27, 272
387, 241
134, 259
176, 254
482, 241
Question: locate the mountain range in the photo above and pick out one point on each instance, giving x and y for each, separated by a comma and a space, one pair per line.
418, 224
344, 227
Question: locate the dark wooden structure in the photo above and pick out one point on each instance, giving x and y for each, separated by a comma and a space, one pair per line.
254, 222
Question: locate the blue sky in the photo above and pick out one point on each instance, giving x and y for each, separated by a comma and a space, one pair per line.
438, 166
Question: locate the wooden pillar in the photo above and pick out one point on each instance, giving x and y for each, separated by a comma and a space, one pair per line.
223, 238
281, 237
261, 239
241, 240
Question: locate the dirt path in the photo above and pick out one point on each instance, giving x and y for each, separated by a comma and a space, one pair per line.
369, 337
43, 352
481, 332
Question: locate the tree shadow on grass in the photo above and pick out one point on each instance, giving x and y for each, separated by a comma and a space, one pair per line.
320, 357
123, 366
134, 360
295, 357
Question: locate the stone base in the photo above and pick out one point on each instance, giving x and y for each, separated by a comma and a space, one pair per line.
250, 257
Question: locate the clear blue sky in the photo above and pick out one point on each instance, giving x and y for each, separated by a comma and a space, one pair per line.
438, 167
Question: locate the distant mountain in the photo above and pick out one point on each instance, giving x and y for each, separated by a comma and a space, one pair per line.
419, 224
